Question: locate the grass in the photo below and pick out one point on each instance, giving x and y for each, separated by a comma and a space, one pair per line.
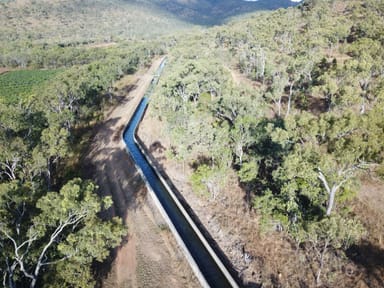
17, 85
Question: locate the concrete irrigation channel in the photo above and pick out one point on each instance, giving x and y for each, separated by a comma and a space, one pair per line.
207, 266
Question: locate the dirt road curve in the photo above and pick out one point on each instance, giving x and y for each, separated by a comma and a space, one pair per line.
149, 257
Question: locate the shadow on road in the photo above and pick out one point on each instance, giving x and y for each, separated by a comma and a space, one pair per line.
108, 164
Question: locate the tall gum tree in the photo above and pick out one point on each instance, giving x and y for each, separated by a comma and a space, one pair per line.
65, 227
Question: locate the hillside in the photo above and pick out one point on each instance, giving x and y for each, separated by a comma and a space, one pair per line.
271, 128
75, 21
214, 12
29, 28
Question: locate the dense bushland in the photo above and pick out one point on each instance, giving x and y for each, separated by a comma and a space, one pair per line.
299, 132
289, 101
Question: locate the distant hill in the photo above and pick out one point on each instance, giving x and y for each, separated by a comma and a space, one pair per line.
71, 21
209, 12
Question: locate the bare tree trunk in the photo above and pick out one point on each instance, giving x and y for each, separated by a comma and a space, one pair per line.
11, 270
331, 199
49, 173
321, 260
10, 168
71, 220
289, 98
330, 190
362, 106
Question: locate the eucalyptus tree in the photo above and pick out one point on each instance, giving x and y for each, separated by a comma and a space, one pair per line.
59, 227
330, 233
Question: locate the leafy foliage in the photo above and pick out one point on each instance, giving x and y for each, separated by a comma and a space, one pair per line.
290, 100
63, 226
50, 231
300, 139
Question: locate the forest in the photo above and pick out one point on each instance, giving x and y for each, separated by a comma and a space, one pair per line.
285, 106
50, 229
300, 131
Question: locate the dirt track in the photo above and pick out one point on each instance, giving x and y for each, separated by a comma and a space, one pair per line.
149, 257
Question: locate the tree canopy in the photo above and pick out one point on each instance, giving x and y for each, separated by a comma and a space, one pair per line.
310, 125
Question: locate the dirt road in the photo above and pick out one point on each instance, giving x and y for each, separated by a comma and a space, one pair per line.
149, 256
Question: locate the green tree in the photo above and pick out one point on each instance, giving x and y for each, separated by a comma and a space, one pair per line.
330, 233
63, 226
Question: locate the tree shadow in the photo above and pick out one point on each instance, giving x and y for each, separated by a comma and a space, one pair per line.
119, 96
156, 147
128, 88
117, 177
199, 161
109, 165
272, 154
370, 258
313, 104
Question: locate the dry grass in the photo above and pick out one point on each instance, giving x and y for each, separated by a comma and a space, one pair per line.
368, 256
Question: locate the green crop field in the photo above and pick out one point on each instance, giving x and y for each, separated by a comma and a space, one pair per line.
16, 85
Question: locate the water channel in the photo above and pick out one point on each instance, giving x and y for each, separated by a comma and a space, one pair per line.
207, 264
